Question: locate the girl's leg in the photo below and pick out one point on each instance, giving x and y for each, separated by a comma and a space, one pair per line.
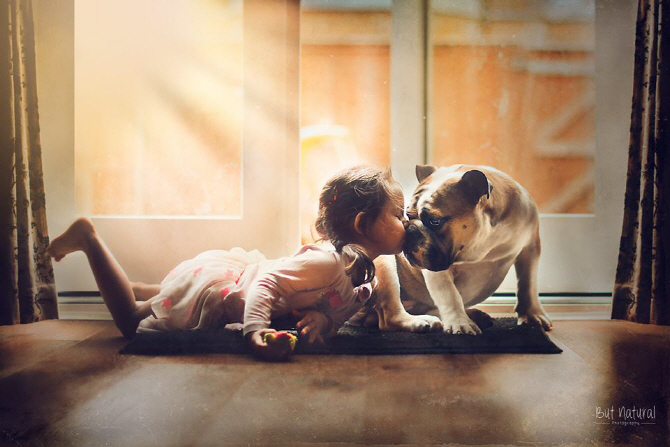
112, 281
144, 291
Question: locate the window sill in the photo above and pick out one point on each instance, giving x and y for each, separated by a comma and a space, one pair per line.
571, 307
559, 307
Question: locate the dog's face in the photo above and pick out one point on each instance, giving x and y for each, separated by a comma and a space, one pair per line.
445, 217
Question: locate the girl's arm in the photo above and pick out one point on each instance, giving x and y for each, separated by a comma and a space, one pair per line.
311, 270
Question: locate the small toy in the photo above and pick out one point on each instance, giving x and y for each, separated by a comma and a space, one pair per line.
284, 342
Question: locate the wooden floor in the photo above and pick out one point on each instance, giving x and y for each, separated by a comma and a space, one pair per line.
63, 383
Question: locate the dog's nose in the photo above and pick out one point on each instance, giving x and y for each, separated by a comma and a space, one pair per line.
412, 229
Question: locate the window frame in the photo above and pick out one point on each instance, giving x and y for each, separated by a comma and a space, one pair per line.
579, 250
409, 140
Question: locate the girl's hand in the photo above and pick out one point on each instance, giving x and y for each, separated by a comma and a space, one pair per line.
271, 352
313, 325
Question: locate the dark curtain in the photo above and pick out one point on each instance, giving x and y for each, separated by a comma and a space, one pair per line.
27, 290
642, 288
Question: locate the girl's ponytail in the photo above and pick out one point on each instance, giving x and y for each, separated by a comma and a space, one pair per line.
360, 269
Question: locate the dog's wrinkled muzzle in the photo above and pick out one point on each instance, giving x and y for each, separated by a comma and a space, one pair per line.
421, 251
413, 238
436, 261
413, 246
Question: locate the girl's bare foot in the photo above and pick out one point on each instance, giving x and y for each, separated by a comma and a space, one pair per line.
75, 238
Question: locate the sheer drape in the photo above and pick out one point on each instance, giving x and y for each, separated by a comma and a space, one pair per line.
27, 291
642, 289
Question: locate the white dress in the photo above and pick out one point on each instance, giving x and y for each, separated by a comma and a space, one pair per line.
197, 293
219, 287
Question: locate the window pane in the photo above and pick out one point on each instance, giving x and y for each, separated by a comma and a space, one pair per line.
158, 107
344, 93
513, 87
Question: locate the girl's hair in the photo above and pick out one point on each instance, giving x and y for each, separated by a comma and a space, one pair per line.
361, 189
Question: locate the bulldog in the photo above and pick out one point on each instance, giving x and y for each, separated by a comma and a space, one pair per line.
467, 226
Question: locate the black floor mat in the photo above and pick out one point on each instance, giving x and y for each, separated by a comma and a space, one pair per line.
505, 336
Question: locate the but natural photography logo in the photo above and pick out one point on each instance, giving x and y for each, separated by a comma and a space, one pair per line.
624, 415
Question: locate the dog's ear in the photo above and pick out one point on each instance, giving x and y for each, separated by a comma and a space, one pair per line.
423, 171
476, 184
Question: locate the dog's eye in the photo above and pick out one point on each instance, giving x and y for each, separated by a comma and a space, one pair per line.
435, 222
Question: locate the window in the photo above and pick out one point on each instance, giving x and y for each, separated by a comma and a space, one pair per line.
158, 108
345, 93
510, 84
383, 82
513, 87
196, 146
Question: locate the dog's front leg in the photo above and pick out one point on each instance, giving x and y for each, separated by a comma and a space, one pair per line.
449, 303
392, 315
528, 307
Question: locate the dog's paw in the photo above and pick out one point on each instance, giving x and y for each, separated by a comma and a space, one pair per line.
434, 323
535, 317
413, 323
421, 323
460, 325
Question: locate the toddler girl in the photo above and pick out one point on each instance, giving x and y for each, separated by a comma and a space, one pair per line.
360, 213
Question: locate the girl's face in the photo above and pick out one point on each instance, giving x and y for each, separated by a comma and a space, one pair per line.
387, 233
